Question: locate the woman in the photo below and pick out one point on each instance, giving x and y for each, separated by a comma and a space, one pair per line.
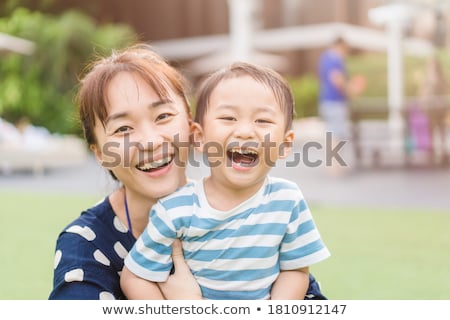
137, 122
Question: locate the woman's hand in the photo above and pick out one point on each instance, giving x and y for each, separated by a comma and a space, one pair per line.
181, 285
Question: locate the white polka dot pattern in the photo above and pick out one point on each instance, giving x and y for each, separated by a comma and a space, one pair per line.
89, 256
119, 225
106, 296
85, 232
100, 257
58, 256
74, 275
120, 250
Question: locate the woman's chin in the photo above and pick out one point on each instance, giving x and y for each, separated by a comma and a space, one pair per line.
163, 190
168, 183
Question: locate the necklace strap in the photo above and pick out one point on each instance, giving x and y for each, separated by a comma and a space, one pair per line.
126, 210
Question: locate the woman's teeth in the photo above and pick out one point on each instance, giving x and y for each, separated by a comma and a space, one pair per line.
155, 164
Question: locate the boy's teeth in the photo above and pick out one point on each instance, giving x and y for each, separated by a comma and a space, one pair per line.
243, 151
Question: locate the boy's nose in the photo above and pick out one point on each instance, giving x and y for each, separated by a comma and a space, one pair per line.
244, 130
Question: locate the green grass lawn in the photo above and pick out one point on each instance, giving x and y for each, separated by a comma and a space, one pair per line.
376, 254
30, 224
384, 254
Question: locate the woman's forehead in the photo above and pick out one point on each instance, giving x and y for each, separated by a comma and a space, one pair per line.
129, 88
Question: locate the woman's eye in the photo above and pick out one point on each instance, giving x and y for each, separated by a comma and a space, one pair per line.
123, 129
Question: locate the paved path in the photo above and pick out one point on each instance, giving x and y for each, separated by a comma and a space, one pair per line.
414, 188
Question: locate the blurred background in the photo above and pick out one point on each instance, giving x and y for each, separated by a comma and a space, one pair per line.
386, 220
45, 44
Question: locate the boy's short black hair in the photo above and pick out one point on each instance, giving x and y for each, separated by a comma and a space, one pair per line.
267, 76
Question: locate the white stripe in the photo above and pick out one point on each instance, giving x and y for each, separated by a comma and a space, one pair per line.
301, 241
145, 273
238, 242
305, 261
237, 285
285, 194
153, 232
150, 254
234, 265
264, 218
179, 212
303, 216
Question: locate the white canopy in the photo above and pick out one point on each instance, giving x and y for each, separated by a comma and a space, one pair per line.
290, 38
10, 43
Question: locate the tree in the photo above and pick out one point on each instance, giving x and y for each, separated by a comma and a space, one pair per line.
41, 86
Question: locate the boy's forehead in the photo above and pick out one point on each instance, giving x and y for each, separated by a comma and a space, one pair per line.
240, 87
233, 91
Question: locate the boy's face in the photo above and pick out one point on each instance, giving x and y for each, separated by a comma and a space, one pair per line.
243, 132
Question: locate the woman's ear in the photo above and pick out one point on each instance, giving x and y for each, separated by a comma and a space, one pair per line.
97, 153
197, 136
286, 147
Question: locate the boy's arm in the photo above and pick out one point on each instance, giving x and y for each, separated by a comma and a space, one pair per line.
291, 285
136, 288
142, 256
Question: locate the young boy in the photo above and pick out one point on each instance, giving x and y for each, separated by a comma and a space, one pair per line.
245, 235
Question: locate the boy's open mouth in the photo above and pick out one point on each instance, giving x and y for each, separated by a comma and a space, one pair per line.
155, 165
243, 157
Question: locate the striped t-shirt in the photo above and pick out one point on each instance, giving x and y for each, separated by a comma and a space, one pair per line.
235, 254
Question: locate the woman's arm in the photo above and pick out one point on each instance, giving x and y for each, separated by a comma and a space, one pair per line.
291, 285
181, 285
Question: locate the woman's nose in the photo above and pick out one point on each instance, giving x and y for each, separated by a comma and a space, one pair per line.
150, 138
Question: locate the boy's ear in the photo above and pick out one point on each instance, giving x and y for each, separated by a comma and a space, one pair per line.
286, 148
197, 136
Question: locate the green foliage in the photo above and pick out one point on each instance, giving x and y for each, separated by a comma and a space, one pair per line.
41, 86
306, 93
374, 67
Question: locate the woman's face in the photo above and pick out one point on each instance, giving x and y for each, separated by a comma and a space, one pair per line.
145, 139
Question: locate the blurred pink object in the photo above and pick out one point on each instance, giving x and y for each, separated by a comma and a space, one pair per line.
419, 128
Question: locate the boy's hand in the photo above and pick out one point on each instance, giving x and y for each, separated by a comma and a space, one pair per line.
181, 285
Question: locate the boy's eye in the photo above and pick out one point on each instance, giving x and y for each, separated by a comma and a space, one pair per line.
228, 118
263, 121
163, 116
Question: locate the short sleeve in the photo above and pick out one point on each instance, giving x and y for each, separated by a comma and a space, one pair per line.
302, 245
150, 258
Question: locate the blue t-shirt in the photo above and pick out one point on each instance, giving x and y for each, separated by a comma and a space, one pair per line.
328, 62
233, 254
